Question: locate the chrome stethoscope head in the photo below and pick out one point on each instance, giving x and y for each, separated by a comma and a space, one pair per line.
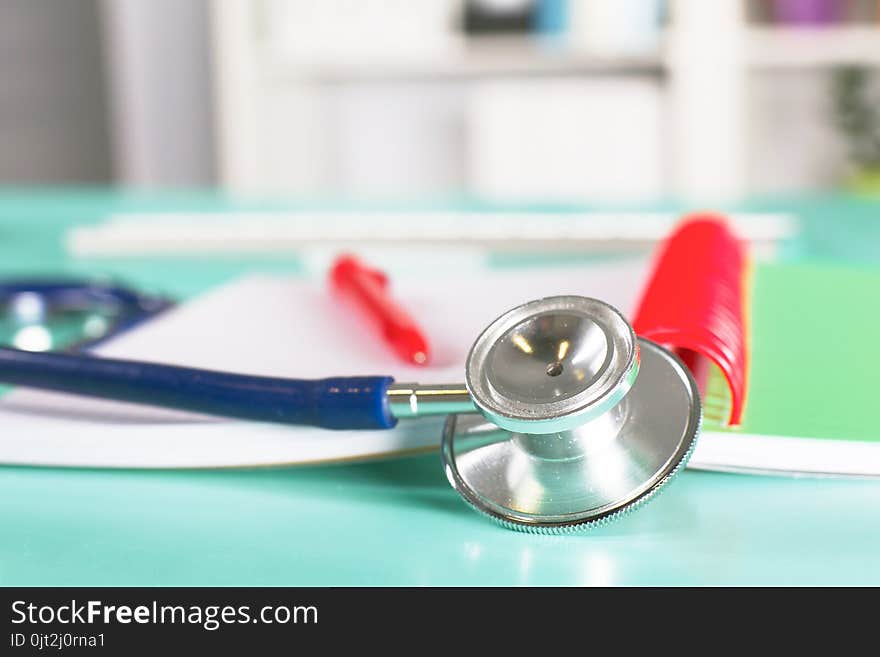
582, 420
552, 364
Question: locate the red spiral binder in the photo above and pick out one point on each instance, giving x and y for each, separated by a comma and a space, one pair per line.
695, 301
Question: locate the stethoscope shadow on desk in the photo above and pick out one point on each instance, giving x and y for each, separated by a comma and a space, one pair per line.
417, 482
413, 481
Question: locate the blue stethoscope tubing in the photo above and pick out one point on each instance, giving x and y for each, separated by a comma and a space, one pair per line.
131, 307
73, 293
355, 402
358, 402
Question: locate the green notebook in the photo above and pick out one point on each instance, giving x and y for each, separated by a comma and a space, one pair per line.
814, 376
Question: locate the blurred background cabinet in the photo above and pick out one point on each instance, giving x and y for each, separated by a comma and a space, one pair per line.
597, 100
505, 100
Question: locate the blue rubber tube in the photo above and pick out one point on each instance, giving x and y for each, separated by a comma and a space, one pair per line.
129, 308
82, 294
357, 402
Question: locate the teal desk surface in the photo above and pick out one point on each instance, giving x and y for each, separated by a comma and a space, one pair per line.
398, 522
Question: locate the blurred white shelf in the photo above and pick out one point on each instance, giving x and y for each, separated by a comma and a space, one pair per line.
481, 57
281, 115
477, 57
809, 48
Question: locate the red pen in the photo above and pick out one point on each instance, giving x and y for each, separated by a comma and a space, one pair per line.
368, 289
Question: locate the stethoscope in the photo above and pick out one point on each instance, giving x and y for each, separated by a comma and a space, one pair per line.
566, 419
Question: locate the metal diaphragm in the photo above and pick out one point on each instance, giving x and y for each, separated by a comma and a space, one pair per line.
577, 476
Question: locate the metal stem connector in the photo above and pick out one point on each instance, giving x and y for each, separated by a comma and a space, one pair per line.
415, 399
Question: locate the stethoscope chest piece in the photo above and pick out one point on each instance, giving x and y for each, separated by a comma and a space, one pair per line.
581, 420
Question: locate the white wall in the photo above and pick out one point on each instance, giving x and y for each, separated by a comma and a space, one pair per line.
792, 142
159, 68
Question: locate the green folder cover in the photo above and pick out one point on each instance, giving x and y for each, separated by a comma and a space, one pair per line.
814, 375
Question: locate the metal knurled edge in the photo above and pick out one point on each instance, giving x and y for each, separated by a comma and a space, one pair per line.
586, 525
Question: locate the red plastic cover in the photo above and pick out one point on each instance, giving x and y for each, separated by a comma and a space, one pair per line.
695, 301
